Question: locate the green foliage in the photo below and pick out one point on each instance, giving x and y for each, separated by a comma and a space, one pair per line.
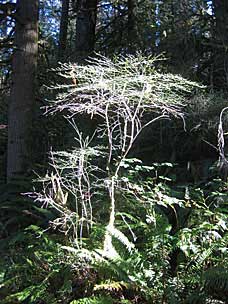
161, 236
17, 210
94, 300
130, 232
216, 282
33, 269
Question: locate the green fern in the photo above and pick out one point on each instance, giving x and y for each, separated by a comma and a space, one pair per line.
112, 286
216, 282
94, 300
196, 298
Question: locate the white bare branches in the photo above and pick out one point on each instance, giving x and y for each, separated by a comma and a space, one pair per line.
126, 96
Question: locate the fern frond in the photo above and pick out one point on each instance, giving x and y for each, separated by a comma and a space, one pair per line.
94, 300
112, 286
116, 233
216, 282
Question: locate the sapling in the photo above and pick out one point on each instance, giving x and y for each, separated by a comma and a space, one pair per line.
125, 96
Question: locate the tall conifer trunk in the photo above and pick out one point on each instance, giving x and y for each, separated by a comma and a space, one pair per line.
220, 70
63, 28
133, 35
22, 97
85, 28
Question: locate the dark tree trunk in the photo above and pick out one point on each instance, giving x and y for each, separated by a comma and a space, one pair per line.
220, 69
221, 13
133, 35
63, 28
85, 28
22, 97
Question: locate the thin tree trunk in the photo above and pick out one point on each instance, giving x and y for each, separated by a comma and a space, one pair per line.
133, 35
85, 28
22, 97
221, 13
63, 28
220, 70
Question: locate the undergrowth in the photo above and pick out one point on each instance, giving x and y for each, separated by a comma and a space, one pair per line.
111, 228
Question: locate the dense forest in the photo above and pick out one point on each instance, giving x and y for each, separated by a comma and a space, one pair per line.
113, 151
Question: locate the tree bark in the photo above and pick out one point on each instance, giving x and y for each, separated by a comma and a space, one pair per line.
133, 34
220, 69
221, 13
85, 28
22, 96
63, 28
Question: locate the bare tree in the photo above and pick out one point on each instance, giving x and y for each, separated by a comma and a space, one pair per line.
124, 97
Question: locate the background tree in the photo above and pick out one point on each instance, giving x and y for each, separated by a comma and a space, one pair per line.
85, 28
22, 96
63, 28
123, 25
183, 31
220, 44
7, 23
133, 34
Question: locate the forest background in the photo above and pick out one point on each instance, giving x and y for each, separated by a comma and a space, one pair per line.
113, 169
